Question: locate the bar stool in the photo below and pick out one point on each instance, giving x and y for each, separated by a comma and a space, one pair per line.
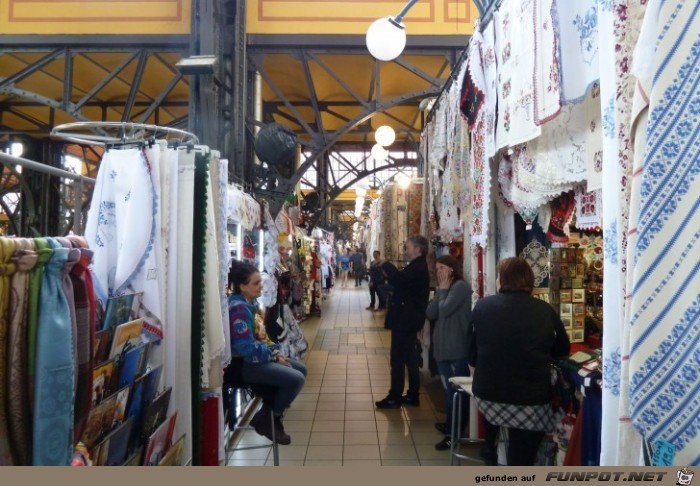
463, 386
237, 390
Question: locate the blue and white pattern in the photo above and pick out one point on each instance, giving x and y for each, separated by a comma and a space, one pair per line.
610, 245
577, 27
611, 372
609, 118
664, 309
605, 6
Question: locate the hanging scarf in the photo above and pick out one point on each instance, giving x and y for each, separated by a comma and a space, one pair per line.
588, 209
7, 268
55, 382
577, 32
664, 295
36, 280
18, 394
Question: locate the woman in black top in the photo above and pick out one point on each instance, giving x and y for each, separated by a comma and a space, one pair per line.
515, 339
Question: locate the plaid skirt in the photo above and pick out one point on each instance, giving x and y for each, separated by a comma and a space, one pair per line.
527, 417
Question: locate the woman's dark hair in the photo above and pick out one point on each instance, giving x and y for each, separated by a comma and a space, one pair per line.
240, 274
452, 262
515, 275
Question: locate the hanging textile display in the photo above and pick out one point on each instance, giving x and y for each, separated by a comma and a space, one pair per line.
55, 364
19, 419
415, 200
562, 212
578, 47
126, 260
515, 54
664, 300
617, 87
547, 85
219, 181
8, 267
589, 209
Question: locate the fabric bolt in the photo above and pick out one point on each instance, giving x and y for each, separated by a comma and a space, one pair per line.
589, 209
547, 80
515, 54
36, 279
577, 32
617, 87
7, 268
180, 289
664, 295
17, 393
55, 368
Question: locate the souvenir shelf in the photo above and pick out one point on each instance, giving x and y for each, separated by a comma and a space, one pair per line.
567, 293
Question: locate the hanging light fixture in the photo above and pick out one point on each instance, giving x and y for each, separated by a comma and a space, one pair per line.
385, 135
403, 181
386, 37
379, 153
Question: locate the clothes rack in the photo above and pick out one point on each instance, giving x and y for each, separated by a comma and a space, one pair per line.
98, 133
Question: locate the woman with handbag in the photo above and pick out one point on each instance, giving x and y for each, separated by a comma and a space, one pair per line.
451, 309
514, 339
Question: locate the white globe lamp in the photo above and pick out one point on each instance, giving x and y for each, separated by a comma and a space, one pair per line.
386, 38
379, 153
385, 135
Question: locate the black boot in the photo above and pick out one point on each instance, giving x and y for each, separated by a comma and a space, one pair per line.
281, 437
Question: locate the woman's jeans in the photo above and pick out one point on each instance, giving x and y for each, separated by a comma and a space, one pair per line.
287, 381
448, 369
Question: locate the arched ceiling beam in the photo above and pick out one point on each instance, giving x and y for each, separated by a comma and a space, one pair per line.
361, 175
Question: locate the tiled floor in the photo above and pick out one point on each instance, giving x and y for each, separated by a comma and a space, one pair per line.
333, 421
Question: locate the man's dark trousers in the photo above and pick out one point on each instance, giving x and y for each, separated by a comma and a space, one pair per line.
404, 356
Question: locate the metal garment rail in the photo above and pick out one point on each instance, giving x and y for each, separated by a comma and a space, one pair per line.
11, 161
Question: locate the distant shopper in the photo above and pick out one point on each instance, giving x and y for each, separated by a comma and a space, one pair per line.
344, 261
515, 338
262, 361
405, 317
357, 260
376, 279
451, 309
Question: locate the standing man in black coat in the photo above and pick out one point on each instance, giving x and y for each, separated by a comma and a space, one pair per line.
405, 317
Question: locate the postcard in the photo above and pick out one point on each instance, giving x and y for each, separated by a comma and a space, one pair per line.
117, 444
565, 296
103, 343
174, 455
131, 364
579, 295
102, 381
126, 336
156, 413
565, 310
99, 421
121, 310
579, 309
160, 442
120, 409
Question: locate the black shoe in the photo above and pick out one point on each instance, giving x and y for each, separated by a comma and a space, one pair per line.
444, 444
408, 400
489, 456
443, 428
388, 403
281, 437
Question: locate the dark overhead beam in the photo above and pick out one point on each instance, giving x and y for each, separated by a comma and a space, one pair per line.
419, 72
98, 42
339, 80
312, 92
67, 80
136, 84
31, 68
27, 118
342, 41
160, 98
257, 64
399, 120
115, 72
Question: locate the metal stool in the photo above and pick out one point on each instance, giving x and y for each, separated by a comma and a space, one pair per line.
237, 392
463, 386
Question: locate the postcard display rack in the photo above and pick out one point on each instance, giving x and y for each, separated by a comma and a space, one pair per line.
171, 344
567, 293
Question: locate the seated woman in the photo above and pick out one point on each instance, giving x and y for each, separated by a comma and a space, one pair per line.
262, 361
515, 339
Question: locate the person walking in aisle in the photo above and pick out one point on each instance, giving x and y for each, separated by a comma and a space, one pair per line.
405, 317
376, 279
262, 361
358, 266
514, 338
344, 261
451, 309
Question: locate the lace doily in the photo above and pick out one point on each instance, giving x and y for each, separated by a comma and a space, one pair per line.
537, 256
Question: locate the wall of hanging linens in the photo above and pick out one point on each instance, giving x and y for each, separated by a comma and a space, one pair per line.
168, 256
562, 110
